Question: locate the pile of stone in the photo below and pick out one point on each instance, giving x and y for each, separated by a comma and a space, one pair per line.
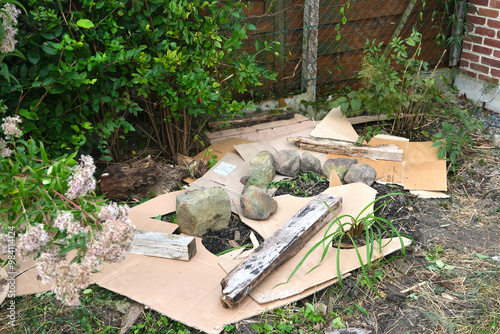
203, 209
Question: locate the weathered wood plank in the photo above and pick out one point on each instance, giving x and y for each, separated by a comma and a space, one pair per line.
326, 145
278, 248
169, 246
252, 119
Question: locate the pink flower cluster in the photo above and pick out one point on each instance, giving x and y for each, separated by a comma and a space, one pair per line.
9, 20
5, 152
82, 181
32, 241
108, 244
10, 128
65, 222
69, 277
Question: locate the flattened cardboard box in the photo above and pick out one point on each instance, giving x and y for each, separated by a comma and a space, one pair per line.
189, 291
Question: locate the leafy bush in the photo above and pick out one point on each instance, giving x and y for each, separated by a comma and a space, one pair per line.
393, 85
90, 67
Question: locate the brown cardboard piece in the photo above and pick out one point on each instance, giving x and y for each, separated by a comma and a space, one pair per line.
419, 170
355, 197
336, 126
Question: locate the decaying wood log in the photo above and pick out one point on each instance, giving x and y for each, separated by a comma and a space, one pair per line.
140, 179
327, 145
278, 248
251, 119
196, 167
169, 246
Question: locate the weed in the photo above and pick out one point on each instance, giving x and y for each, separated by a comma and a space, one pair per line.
373, 227
301, 185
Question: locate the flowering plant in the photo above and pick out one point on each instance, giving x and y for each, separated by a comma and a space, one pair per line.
58, 219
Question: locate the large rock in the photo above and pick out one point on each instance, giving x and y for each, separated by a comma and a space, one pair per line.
360, 173
257, 204
309, 163
339, 165
262, 170
287, 162
203, 209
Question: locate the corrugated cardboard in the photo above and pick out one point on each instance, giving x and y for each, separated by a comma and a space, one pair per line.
419, 170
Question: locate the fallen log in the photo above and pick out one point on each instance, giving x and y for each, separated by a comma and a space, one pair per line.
278, 248
140, 179
327, 145
169, 246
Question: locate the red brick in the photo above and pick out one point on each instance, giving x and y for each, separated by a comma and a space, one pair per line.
492, 42
482, 50
495, 73
490, 62
469, 73
487, 78
488, 12
474, 39
479, 2
477, 20
479, 68
464, 63
493, 23
485, 32
466, 46
495, 3
496, 53
470, 56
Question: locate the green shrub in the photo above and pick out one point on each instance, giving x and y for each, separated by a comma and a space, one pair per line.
393, 86
91, 67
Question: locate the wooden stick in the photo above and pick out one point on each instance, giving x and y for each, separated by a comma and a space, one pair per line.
278, 248
327, 145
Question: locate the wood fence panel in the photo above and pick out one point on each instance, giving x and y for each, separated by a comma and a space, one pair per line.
338, 59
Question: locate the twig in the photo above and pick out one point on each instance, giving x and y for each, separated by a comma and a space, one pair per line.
413, 287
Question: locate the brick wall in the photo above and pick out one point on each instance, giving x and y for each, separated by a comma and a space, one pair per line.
481, 50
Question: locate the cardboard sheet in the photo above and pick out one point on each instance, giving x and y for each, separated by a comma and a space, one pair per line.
336, 126
355, 197
419, 170
265, 131
247, 151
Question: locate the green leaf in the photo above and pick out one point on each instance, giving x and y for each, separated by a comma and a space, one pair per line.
28, 114
34, 57
85, 23
356, 104
481, 256
437, 143
4, 71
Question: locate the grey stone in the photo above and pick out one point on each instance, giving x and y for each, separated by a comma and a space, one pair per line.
360, 173
309, 163
262, 170
257, 204
203, 209
287, 162
495, 139
339, 165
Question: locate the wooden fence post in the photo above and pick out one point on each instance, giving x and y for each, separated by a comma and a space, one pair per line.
310, 49
279, 35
